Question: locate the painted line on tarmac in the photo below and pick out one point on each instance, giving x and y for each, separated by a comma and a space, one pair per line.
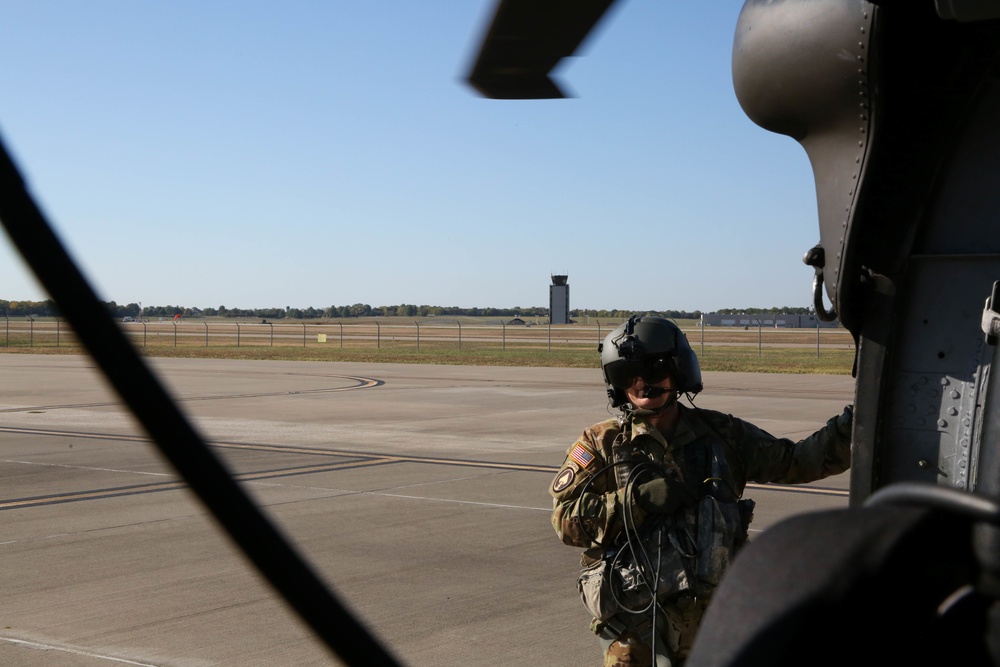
454, 501
38, 646
139, 489
283, 449
361, 383
81, 435
358, 459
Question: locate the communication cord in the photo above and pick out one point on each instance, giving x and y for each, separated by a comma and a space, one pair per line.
632, 545
173, 434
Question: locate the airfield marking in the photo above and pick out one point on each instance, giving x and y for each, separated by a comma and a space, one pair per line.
454, 501
249, 446
355, 460
222, 444
138, 489
362, 383
74, 651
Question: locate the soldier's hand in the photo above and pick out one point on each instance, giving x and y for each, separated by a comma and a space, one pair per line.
664, 496
845, 420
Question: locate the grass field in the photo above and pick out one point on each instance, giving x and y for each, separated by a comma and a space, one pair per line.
479, 343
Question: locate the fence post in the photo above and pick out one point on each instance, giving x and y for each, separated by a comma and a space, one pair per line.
378, 336
459, 334
175, 334
759, 339
817, 338
504, 338
550, 336
7, 318
143, 335
272, 333
703, 334
237, 334
31, 331
418, 333
206, 334
341, 335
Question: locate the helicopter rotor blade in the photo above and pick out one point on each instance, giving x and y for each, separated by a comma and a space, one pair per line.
526, 40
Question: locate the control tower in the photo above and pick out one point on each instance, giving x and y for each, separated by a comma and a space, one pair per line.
559, 300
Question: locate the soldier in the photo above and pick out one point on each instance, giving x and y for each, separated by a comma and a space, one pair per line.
655, 494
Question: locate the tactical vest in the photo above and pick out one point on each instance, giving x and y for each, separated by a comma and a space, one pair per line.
686, 553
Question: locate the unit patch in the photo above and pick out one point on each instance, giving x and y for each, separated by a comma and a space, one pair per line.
563, 480
582, 456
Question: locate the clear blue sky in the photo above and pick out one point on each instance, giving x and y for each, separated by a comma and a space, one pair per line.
315, 153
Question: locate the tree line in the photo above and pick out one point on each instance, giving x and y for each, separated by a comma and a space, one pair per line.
48, 308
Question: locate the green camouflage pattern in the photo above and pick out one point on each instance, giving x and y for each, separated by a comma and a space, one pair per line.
628, 651
716, 455
588, 510
677, 627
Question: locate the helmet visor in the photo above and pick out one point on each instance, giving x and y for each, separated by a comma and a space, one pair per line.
653, 369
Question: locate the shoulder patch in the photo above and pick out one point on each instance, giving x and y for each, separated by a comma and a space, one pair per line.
582, 456
563, 480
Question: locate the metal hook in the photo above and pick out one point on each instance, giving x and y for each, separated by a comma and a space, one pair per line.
816, 258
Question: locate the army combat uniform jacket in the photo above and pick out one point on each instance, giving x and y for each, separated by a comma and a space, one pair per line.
714, 455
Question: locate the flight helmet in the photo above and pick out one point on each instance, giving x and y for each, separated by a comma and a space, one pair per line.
651, 347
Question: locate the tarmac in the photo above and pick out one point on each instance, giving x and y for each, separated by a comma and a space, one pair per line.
420, 493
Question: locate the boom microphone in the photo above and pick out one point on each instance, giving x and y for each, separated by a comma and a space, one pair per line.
650, 391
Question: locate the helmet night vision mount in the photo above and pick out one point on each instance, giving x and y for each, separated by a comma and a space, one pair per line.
652, 348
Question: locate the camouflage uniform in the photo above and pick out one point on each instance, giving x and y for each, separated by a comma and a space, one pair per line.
714, 454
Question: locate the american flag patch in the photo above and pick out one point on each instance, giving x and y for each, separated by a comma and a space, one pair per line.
582, 457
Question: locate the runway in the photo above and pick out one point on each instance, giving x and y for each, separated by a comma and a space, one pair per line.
419, 492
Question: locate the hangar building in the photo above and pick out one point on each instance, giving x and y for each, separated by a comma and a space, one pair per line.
771, 320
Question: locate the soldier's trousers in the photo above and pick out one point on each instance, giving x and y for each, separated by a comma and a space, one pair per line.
676, 628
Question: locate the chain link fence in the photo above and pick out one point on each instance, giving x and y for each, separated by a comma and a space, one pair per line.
392, 333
